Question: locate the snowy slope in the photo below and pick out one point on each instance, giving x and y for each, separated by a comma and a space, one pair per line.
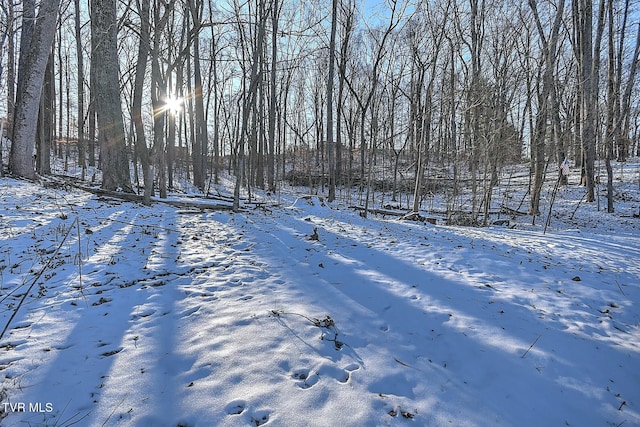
164, 317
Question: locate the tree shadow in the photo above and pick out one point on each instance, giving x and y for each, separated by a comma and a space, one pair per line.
439, 333
82, 334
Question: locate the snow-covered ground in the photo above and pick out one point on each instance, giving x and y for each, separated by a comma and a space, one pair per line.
164, 316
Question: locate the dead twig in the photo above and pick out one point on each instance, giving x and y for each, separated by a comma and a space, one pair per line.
577, 206
530, 347
406, 365
325, 323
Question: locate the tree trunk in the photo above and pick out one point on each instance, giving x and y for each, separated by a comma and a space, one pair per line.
141, 148
26, 34
46, 122
34, 59
159, 97
216, 110
91, 117
171, 136
61, 75
588, 68
273, 96
544, 101
249, 102
342, 68
11, 72
113, 151
200, 144
475, 98
80, 58
330, 140
612, 132
625, 108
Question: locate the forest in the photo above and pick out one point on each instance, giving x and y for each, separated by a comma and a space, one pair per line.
397, 96
319, 213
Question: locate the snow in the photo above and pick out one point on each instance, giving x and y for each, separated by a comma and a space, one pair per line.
161, 316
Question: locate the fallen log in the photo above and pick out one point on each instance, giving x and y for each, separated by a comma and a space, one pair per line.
509, 211
135, 198
383, 212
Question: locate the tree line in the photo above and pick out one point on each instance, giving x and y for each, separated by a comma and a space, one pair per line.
331, 93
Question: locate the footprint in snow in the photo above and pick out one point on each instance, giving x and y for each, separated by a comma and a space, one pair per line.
63, 346
338, 374
236, 407
101, 301
143, 313
239, 406
111, 352
249, 279
394, 412
190, 311
307, 378
259, 418
209, 297
200, 373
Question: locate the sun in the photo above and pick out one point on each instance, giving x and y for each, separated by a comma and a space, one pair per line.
173, 104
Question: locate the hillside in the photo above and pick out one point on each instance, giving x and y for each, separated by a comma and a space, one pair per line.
302, 313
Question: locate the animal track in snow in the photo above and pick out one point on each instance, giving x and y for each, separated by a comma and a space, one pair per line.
143, 313
190, 311
236, 407
111, 352
307, 378
199, 374
256, 417
259, 418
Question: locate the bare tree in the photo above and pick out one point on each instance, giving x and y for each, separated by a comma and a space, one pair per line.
348, 27
617, 115
365, 99
422, 108
250, 98
544, 100
80, 58
34, 55
5, 27
624, 116
161, 15
200, 143
105, 66
46, 121
9, 33
217, 99
141, 148
330, 140
588, 58
475, 94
